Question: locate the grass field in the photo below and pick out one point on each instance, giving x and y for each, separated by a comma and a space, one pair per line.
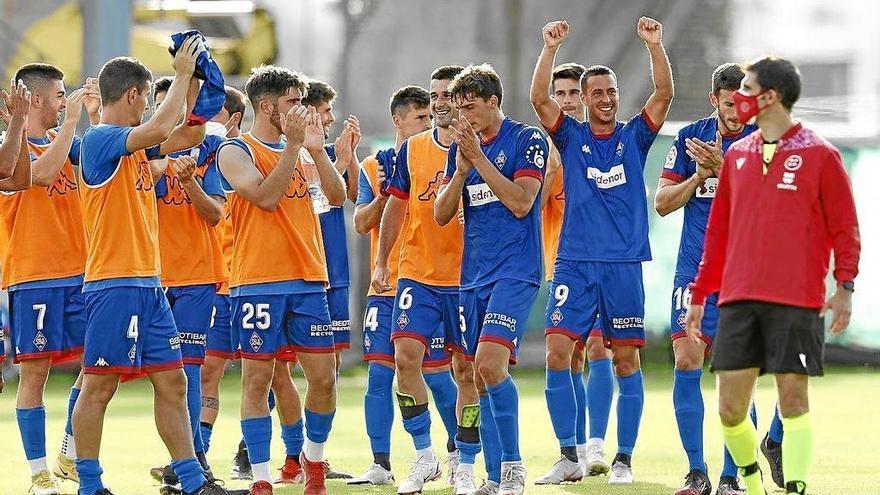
845, 405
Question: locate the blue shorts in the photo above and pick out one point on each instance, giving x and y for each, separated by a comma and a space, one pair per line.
337, 301
222, 338
681, 299
497, 312
47, 323
378, 322
583, 291
420, 310
192, 307
271, 326
129, 331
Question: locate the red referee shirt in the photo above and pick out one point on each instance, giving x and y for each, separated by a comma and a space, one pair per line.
770, 236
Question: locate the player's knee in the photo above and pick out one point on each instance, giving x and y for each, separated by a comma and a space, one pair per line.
793, 404
98, 393
731, 413
490, 372
33, 374
322, 382
596, 350
687, 361
172, 387
408, 360
626, 362
463, 370
577, 361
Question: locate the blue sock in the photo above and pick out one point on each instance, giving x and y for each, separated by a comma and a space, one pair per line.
687, 398
505, 407
562, 405
600, 393
193, 374
379, 407
206, 429
318, 425
190, 474
32, 426
630, 402
419, 427
71, 402
489, 439
292, 435
776, 432
580, 397
89, 471
467, 451
257, 434
445, 393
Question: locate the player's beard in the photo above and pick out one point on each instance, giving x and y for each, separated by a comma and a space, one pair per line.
275, 119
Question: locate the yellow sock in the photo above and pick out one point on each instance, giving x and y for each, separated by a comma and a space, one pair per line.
797, 443
742, 443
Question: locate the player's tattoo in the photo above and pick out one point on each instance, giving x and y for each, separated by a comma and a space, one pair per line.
211, 403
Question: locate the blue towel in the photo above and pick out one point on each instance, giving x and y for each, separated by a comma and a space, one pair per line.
388, 159
212, 95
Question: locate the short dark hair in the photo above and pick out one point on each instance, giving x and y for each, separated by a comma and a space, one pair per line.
119, 75
234, 102
727, 76
319, 92
162, 85
407, 96
37, 74
478, 81
446, 72
569, 70
780, 75
596, 70
273, 81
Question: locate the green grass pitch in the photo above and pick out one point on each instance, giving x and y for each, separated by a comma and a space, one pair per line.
845, 405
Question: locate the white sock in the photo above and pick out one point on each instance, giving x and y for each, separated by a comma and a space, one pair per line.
262, 471
68, 447
582, 451
427, 454
38, 465
313, 451
507, 464
465, 468
600, 442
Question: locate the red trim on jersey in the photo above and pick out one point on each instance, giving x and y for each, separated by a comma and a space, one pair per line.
536, 174
562, 331
557, 125
341, 346
397, 193
674, 177
411, 335
499, 340
705, 338
194, 360
639, 343
437, 362
456, 348
258, 356
55, 357
312, 350
596, 332
375, 356
220, 354
651, 125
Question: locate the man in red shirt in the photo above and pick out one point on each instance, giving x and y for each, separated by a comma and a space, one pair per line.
784, 201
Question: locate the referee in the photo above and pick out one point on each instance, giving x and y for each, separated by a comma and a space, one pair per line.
784, 201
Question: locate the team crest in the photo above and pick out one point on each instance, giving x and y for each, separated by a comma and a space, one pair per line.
367, 342
556, 317
500, 160
132, 353
402, 320
681, 320
670, 157
619, 149
40, 341
793, 163
256, 342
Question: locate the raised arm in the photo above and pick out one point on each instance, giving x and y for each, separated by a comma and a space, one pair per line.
45, 169
346, 156
18, 103
657, 106
186, 136
546, 108
159, 128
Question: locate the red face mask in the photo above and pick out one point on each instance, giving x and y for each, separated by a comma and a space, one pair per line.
746, 106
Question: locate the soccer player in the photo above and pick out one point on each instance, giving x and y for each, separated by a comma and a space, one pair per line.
129, 325
689, 179
410, 116
427, 298
604, 189
44, 279
495, 166
783, 181
190, 204
566, 90
278, 279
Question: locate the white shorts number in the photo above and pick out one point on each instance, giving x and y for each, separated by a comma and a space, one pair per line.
133, 328
405, 299
561, 294
461, 321
41, 315
682, 296
371, 322
213, 315
260, 311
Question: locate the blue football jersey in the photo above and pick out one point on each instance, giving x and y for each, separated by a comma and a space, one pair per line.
680, 167
497, 245
606, 206
335, 240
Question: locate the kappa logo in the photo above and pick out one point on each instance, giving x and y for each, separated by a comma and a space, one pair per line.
402, 320
793, 163
430, 192
500, 160
256, 342
586, 149
556, 317
606, 180
62, 185
740, 162
102, 362
536, 135
40, 341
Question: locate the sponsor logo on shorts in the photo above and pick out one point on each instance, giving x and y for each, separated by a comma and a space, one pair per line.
628, 322
556, 317
102, 362
500, 160
438, 343
40, 341
708, 189
341, 325
402, 320
480, 194
367, 342
321, 330
174, 342
132, 353
606, 180
193, 338
256, 342
500, 319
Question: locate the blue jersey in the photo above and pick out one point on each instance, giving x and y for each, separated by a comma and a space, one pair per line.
678, 168
497, 245
606, 206
335, 240
205, 155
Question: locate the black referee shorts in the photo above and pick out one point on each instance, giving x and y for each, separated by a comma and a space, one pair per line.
776, 338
